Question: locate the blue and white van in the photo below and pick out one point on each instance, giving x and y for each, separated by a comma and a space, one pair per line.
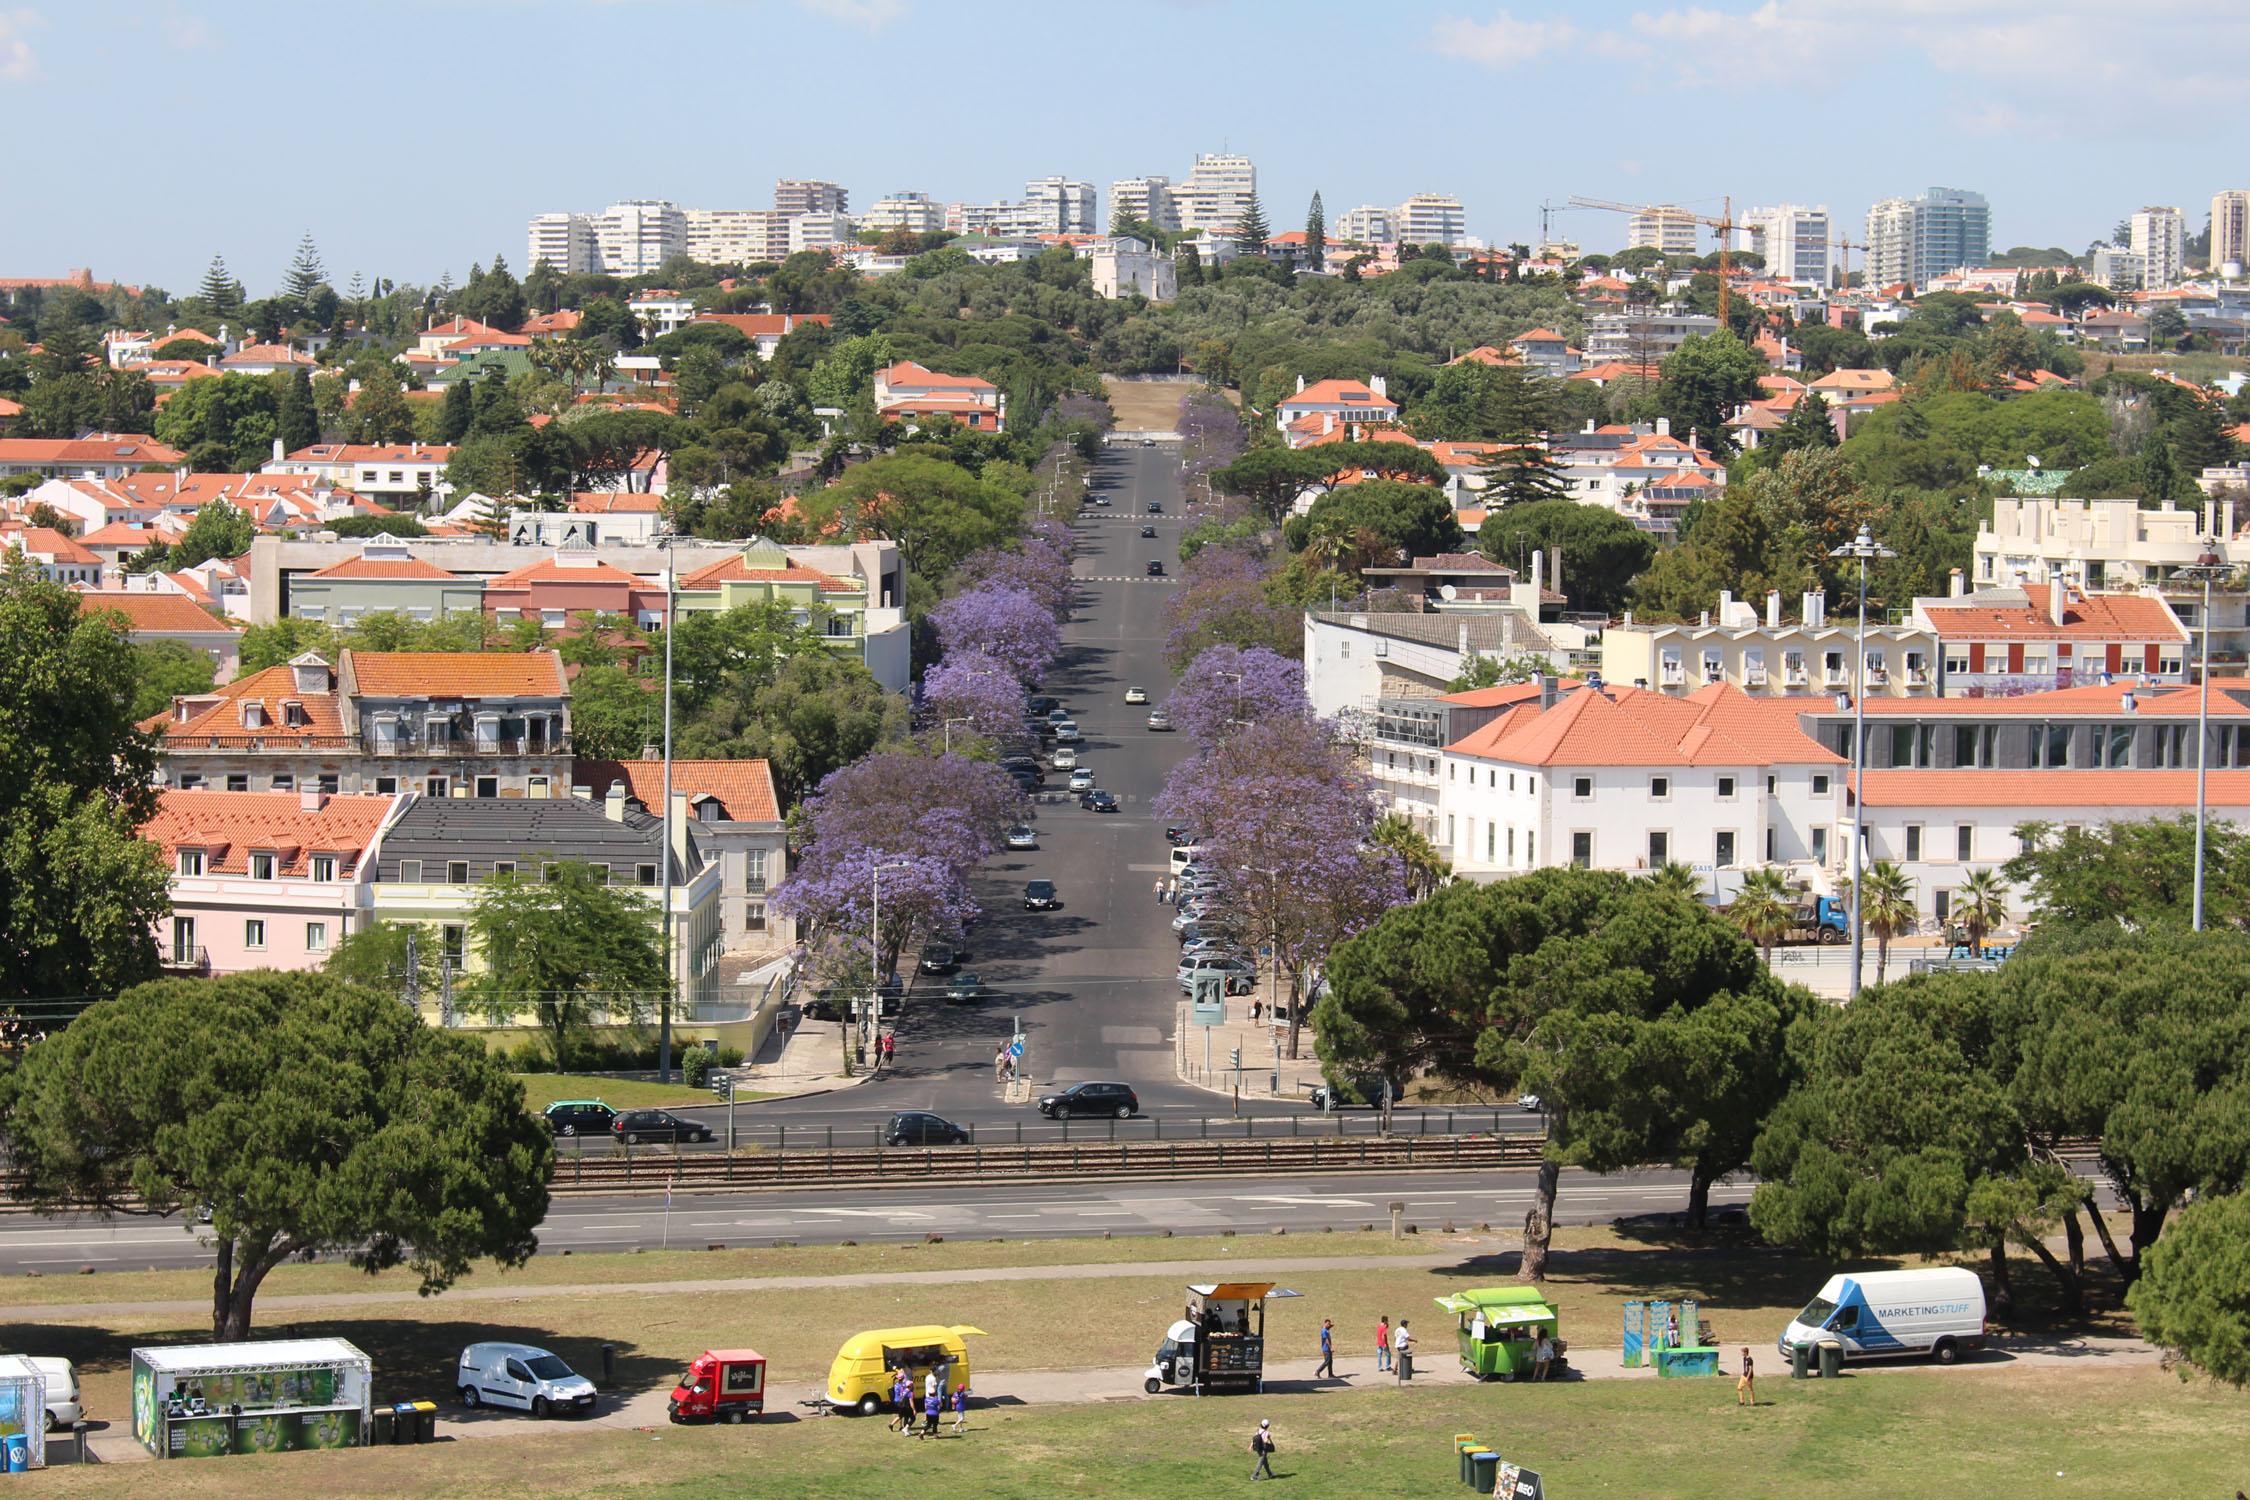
1888, 1314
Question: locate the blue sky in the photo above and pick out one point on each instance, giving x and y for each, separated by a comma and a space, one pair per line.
415, 136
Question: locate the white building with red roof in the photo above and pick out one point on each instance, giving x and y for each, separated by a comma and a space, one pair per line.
400, 475
59, 559
766, 330
151, 617
2015, 639
907, 392
98, 457
1364, 401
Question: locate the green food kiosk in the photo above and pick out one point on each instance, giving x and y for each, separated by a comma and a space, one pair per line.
1500, 1329
202, 1400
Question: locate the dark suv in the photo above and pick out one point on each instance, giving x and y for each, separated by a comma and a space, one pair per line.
916, 1127
1092, 1099
638, 1125
579, 1117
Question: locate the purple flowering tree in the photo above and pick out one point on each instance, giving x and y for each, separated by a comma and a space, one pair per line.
935, 817
1079, 407
1286, 822
1222, 600
1227, 686
972, 686
1039, 565
1005, 623
1211, 435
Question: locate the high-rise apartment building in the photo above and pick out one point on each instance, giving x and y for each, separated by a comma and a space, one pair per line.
565, 241
736, 236
2118, 268
1431, 219
1792, 238
1216, 193
1666, 227
1365, 225
1058, 205
639, 235
1145, 199
2159, 238
821, 231
2230, 231
810, 197
909, 211
1912, 240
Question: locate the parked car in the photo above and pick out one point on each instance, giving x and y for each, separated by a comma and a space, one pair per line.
1081, 780
966, 989
1092, 1099
1363, 1092
1057, 715
1021, 837
1179, 835
1042, 703
1099, 801
1155, 568
821, 1008
63, 1405
1064, 758
938, 957
522, 1376
1101, 499
1136, 695
1067, 733
917, 1127
1039, 895
637, 1126
579, 1117
1239, 975
1148, 531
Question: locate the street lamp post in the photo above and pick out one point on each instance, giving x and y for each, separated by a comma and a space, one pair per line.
949, 723
1861, 548
2207, 566
664, 863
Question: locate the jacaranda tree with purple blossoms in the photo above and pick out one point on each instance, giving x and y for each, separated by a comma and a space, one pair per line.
1222, 600
1227, 687
1005, 623
972, 686
1285, 824
1039, 565
1211, 435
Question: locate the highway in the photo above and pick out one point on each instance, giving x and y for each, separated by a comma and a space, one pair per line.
1035, 1210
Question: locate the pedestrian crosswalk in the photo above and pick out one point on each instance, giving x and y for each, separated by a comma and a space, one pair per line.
1117, 578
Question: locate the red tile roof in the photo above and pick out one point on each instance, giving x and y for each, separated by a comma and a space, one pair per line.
128, 449
732, 570
45, 541
554, 570
1719, 725
383, 567
1508, 694
1354, 393
611, 503
272, 689
373, 453
912, 376
769, 325
448, 674
229, 826
2093, 617
1485, 354
155, 613
744, 788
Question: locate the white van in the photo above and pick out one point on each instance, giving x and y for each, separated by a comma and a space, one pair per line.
523, 1377
1885, 1314
1184, 855
62, 1390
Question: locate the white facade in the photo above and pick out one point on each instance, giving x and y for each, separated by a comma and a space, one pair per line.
1912, 240
1059, 205
1366, 225
1643, 331
2114, 544
566, 242
2159, 238
1793, 239
1146, 199
1667, 227
913, 212
1127, 267
2230, 231
1431, 219
823, 231
736, 236
810, 196
639, 235
1217, 193
2119, 269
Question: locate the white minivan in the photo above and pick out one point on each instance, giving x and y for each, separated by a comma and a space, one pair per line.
62, 1390
1884, 1314
523, 1377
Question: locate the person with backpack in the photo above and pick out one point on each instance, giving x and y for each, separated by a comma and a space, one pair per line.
1261, 1443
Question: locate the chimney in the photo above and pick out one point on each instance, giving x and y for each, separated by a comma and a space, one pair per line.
279, 452
1547, 690
1300, 384
1663, 426
1956, 587
1380, 385
1538, 576
2058, 599
1706, 619
1554, 569
2126, 702
614, 803
1726, 605
1773, 609
680, 828
312, 798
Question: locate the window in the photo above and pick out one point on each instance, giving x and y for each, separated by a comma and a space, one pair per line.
183, 940
548, 872
488, 786
1913, 745
1913, 842
238, 782
1941, 904
1511, 843
1820, 846
1582, 787
2170, 741
1530, 848
1844, 741
1659, 849
368, 476
386, 786
1451, 842
450, 942
551, 619
1511, 781
1769, 843
1973, 745
330, 784
503, 869
261, 866
410, 872
754, 915
1726, 788
2050, 747
1722, 853
191, 861
1819, 784
254, 934
456, 872
1659, 788
1491, 842
2115, 743
324, 867
1965, 842
433, 786
1582, 850
284, 782
1344, 650
398, 476
644, 874
1956, 660
1772, 781
535, 786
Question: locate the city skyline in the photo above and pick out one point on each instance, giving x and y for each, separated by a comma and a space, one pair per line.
1965, 91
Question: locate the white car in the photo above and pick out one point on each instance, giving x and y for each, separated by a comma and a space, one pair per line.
1081, 780
1021, 837
63, 1408
519, 1375
1136, 695
1067, 732
1064, 758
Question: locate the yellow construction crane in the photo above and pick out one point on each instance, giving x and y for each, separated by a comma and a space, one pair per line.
1724, 224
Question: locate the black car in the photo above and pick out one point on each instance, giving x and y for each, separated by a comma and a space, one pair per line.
579, 1117
916, 1127
1099, 801
1179, 835
1039, 895
939, 957
966, 989
1155, 568
1156, 507
637, 1126
1092, 1099
1148, 531
821, 1008
1041, 703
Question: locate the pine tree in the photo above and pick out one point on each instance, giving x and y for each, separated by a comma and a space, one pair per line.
305, 272
456, 412
221, 293
2160, 478
1251, 230
1316, 235
296, 418
1523, 470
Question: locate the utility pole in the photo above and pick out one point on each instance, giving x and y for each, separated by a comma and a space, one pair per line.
664, 862
1861, 547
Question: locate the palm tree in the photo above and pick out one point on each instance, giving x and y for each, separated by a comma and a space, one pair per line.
1681, 880
1765, 909
1886, 908
1982, 905
1426, 868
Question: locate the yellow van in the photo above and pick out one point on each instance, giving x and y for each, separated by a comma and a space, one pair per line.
864, 1368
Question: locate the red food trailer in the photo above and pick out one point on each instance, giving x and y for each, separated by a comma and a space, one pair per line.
722, 1385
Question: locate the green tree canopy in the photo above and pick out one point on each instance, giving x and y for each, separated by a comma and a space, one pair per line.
218, 530
165, 670
936, 511
1703, 381
568, 949
1412, 520
1602, 552
2193, 1298
310, 1116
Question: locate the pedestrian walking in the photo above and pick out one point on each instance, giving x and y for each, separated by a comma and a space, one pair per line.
961, 1409
1000, 1063
1327, 1349
1256, 1008
1402, 1351
902, 1398
932, 1404
1261, 1443
1382, 1343
1171, 891
1542, 1357
1160, 888
890, 1049
1746, 1389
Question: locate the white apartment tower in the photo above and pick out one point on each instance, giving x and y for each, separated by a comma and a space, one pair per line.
1431, 219
1792, 238
2230, 231
2160, 240
565, 241
1145, 199
1666, 227
1216, 193
1915, 240
821, 231
736, 236
909, 211
1058, 205
639, 235
810, 197
1365, 225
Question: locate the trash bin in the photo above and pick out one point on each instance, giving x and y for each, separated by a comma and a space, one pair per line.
425, 1426
1462, 1450
386, 1426
1484, 1470
404, 1419
17, 1458
1831, 1359
1800, 1361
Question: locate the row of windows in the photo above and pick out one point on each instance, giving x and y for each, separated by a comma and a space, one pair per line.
2054, 747
457, 872
186, 950
262, 864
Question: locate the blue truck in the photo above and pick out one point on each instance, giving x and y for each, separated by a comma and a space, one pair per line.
1823, 920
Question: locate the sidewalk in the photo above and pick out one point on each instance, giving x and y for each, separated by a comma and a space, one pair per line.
1260, 1045
808, 1059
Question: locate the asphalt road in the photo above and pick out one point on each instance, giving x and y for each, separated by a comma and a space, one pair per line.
1043, 1210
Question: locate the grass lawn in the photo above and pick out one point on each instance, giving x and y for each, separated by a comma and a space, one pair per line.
543, 1089
1147, 405
1968, 1435
2195, 366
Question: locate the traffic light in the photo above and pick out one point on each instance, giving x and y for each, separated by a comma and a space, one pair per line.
1234, 1059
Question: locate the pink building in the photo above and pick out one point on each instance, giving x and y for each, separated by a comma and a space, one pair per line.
266, 880
556, 590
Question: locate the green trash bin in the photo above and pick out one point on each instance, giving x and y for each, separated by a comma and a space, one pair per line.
1484, 1472
386, 1426
1800, 1361
426, 1428
1831, 1359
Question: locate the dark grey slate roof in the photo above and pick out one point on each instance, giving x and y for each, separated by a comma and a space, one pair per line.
528, 832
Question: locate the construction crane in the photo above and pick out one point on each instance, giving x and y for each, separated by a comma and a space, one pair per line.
1547, 211
1724, 224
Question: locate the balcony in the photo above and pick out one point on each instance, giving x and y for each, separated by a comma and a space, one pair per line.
1754, 676
1671, 675
183, 958
1878, 676
1793, 677
452, 749
1917, 676
1836, 677
267, 742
